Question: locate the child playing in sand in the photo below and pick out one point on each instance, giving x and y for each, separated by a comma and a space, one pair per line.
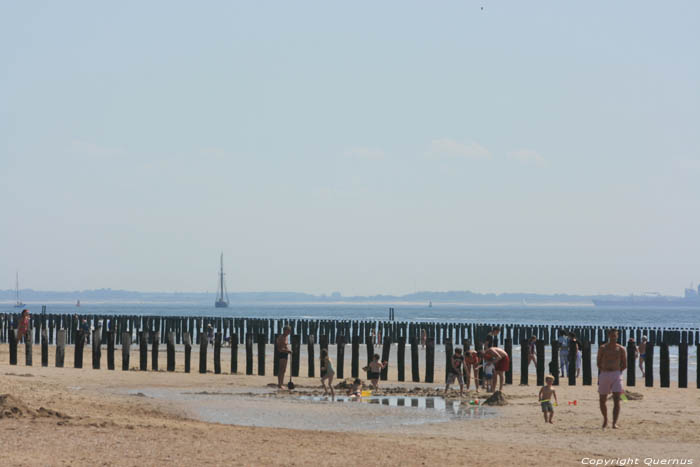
356, 388
545, 398
455, 372
488, 375
327, 373
374, 370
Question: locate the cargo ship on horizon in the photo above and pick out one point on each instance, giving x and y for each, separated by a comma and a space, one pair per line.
690, 299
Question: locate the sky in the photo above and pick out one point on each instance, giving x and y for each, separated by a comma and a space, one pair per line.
359, 147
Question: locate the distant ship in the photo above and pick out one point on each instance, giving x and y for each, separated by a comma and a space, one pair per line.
691, 299
19, 303
221, 302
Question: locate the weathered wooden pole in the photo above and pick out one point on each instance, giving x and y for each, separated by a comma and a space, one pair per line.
415, 362
649, 365
631, 367
261, 354
187, 338
554, 364
203, 343
539, 344
249, 354
586, 360
110, 349
508, 345
386, 348
28, 348
78, 356
234, 354
683, 365
12, 340
355, 361
170, 351
44, 348
664, 366
143, 350
60, 348
296, 354
448, 356
524, 360
96, 348
126, 350
429, 360
401, 358
310, 341
571, 366
340, 359
154, 350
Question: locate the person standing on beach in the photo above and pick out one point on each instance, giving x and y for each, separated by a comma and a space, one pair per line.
492, 338
642, 351
545, 398
423, 338
563, 352
501, 360
471, 364
532, 351
455, 371
23, 327
283, 351
327, 373
612, 361
577, 355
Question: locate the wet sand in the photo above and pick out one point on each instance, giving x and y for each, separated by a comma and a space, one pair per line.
102, 417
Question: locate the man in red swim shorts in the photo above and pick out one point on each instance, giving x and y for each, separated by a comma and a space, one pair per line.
501, 361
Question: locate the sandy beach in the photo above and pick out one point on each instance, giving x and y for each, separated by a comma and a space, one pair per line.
67, 416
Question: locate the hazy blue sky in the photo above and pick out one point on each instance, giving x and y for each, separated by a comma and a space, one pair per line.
359, 147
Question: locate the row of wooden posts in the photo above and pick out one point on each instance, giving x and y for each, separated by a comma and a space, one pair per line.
259, 340
196, 327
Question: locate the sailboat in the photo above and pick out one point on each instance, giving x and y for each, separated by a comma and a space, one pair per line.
77, 303
19, 303
221, 288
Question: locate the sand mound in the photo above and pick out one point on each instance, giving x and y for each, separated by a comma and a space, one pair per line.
12, 407
633, 396
497, 398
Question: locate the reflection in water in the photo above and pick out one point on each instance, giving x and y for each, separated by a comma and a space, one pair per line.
453, 407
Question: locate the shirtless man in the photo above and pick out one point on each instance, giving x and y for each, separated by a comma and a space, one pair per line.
283, 350
643, 355
612, 361
500, 359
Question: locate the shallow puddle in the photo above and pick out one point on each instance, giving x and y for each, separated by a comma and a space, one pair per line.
381, 413
456, 407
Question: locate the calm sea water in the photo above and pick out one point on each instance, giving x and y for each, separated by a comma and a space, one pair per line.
530, 314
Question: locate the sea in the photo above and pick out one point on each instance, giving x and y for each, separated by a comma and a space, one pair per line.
545, 314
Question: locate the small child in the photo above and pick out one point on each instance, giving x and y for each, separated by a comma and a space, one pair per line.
356, 388
545, 398
374, 370
488, 375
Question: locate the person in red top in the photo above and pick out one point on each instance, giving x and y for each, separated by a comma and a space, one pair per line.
500, 359
23, 327
471, 364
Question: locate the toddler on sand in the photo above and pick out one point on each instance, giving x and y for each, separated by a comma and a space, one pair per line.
545, 398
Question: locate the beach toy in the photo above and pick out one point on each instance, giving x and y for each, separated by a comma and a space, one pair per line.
366, 393
623, 397
474, 402
573, 403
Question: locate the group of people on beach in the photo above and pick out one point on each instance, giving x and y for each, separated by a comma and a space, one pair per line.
489, 360
494, 361
611, 362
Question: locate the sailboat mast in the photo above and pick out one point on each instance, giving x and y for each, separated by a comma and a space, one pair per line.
17, 286
221, 277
